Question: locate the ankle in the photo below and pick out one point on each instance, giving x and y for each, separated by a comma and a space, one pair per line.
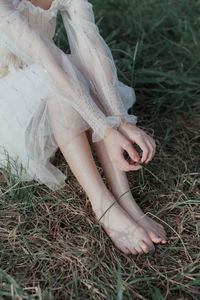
102, 202
121, 195
128, 203
119, 188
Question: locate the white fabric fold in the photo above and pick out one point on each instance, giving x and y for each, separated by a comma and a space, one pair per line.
45, 94
28, 44
95, 57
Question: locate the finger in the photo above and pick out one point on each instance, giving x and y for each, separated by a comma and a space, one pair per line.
133, 163
121, 167
134, 168
123, 163
127, 166
144, 148
132, 152
119, 161
154, 145
150, 154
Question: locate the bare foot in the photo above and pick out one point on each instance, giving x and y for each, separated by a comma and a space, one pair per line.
126, 234
155, 230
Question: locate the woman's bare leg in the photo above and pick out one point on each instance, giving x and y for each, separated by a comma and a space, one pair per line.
126, 234
118, 184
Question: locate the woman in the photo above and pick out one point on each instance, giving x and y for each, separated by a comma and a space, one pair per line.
50, 100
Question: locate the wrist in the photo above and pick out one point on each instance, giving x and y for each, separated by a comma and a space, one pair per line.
108, 131
125, 124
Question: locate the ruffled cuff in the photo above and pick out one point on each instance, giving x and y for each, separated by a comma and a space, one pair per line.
126, 118
115, 98
113, 122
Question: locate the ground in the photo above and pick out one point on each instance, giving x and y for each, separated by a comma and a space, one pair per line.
51, 245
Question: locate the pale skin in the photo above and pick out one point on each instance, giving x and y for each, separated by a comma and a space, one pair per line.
130, 230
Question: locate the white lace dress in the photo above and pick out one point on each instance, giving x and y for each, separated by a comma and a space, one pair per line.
45, 94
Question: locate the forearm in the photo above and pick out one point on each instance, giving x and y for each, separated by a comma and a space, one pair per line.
22, 39
94, 56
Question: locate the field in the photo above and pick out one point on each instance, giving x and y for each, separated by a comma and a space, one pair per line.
51, 246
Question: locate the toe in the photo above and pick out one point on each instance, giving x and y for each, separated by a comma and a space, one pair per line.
147, 240
144, 247
161, 227
165, 234
139, 250
162, 234
158, 236
122, 247
164, 241
134, 251
150, 245
162, 231
126, 250
155, 238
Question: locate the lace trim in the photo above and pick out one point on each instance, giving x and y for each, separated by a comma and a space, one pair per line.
129, 119
114, 122
22, 4
111, 122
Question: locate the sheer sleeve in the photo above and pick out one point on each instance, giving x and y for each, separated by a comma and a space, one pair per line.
95, 56
27, 43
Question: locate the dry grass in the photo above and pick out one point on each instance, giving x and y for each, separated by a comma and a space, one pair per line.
48, 250
51, 245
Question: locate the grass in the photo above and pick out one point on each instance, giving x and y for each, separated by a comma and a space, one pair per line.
49, 249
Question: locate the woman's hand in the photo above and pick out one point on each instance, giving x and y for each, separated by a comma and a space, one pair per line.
143, 140
116, 143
